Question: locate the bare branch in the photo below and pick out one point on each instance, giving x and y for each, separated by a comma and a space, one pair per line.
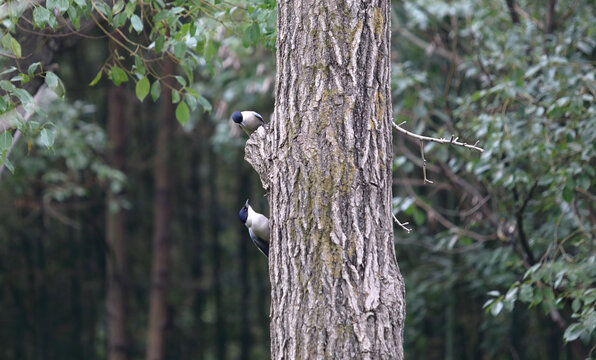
402, 225
452, 141
423, 163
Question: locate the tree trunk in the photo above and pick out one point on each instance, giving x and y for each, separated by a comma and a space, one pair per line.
326, 161
116, 233
243, 191
216, 249
161, 224
549, 19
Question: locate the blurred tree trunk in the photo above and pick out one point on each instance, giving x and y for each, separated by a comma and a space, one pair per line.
327, 163
198, 248
550, 17
244, 185
214, 216
161, 224
116, 233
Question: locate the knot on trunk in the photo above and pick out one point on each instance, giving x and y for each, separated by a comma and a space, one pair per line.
258, 153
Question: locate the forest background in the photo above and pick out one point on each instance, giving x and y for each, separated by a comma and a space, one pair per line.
500, 259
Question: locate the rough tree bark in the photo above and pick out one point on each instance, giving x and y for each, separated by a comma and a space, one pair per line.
116, 233
326, 161
161, 228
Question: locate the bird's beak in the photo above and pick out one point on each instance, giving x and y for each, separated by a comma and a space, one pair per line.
246, 203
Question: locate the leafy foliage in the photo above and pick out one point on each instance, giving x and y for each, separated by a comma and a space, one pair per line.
528, 96
189, 33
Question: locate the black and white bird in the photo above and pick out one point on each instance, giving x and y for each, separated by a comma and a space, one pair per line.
258, 227
249, 121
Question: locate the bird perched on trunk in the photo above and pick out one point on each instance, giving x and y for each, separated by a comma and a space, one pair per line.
249, 121
258, 227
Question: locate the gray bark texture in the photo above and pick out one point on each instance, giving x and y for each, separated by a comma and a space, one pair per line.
326, 161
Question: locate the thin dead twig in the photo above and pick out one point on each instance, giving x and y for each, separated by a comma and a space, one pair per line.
454, 139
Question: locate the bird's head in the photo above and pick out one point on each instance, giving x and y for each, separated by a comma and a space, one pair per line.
237, 117
243, 214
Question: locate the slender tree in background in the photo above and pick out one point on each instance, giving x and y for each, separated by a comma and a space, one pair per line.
116, 232
326, 161
161, 228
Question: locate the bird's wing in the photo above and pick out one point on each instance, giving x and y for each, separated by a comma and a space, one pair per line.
259, 116
260, 226
260, 243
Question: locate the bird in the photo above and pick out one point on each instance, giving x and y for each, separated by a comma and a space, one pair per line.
258, 227
249, 121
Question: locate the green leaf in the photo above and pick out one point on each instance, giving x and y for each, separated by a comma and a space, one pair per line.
24, 96
573, 332
7, 86
62, 5
568, 192
159, 42
5, 141
142, 88
119, 19
179, 50
41, 15
130, 7
51, 80
16, 47
46, 138
55, 84
32, 67
73, 15
175, 96
576, 305
8, 165
104, 9
155, 90
181, 80
118, 6
191, 101
210, 50
136, 23
3, 103
23, 78
8, 71
204, 103
96, 78
182, 112
496, 308
118, 75
526, 293
254, 33
583, 181
139, 66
